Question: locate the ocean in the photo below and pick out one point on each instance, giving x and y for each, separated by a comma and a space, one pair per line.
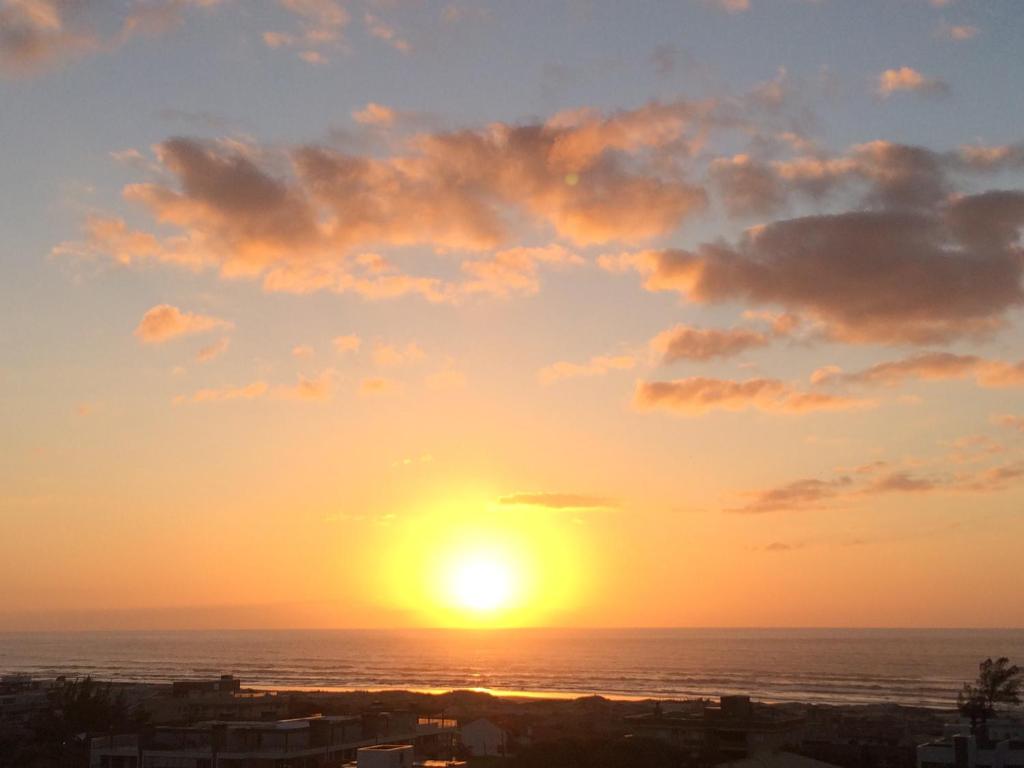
840, 666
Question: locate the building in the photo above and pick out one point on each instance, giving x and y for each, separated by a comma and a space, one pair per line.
385, 756
1001, 746
734, 730
777, 760
968, 752
22, 699
485, 738
192, 701
397, 756
226, 684
307, 742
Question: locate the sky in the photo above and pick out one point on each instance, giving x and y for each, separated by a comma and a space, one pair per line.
389, 313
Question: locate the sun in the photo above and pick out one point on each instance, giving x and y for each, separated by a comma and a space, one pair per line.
482, 583
469, 562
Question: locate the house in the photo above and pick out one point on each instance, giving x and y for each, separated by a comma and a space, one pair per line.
309, 742
733, 730
969, 752
485, 738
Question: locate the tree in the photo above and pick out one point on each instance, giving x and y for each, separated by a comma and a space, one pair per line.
998, 682
59, 736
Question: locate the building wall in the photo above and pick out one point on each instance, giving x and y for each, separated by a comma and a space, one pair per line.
482, 738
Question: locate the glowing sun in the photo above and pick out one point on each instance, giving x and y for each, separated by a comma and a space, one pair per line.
481, 583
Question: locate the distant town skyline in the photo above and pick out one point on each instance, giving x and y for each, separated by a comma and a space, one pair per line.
367, 313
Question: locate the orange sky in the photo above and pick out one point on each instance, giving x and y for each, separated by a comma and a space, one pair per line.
354, 313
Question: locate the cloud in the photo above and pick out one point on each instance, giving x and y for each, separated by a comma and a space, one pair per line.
816, 494
596, 366
375, 114
908, 79
318, 388
732, 6
253, 391
867, 276
347, 343
384, 31
780, 546
1010, 421
933, 366
957, 32
808, 493
313, 57
884, 174
747, 188
165, 322
378, 385
514, 271
213, 351
303, 351
700, 344
446, 379
557, 501
39, 34
309, 217
697, 395
395, 356
984, 158
320, 25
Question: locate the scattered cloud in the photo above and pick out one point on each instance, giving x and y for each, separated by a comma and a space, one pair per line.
957, 32
514, 271
933, 366
596, 366
747, 187
303, 351
213, 351
375, 114
446, 379
908, 79
165, 322
1010, 421
557, 501
697, 395
396, 356
320, 26
253, 391
816, 494
808, 493
347, 343
732, 6
378, 385
883, 276
384, 31
303, 217
318, 388
780, 546
685, 342
36, 35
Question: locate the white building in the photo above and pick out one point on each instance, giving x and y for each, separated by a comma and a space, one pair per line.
482, 738
310, 742
385, 756
966, 752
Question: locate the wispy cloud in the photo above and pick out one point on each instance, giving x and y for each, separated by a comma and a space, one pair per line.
905, 79
595, 366
697, 395
165, 322
213, 351
557, 501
